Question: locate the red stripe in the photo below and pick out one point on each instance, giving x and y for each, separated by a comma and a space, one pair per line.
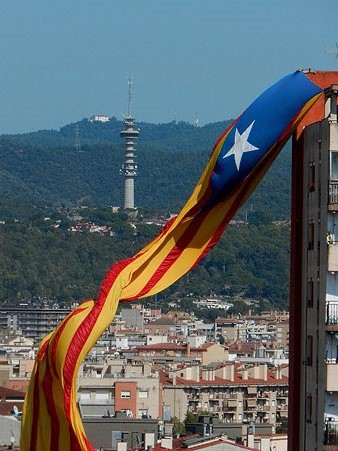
36, 398
47, 382
111, 277
88, 444
47, 386
74, 443
78, 342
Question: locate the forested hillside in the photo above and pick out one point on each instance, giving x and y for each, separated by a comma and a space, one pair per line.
180, 136
40, 257
46, 167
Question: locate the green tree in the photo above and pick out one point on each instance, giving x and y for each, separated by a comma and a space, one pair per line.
178, 427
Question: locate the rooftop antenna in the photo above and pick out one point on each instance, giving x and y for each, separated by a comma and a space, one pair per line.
332, 50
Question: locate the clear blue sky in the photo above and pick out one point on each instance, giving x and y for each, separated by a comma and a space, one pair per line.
68, 59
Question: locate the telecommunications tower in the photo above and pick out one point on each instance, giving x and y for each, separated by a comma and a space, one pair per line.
129, 168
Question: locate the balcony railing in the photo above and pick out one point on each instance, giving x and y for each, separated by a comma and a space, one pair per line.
333, 192
331, 315
331, 434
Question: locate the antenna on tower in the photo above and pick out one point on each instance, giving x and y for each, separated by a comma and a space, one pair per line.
196, 122
130, 85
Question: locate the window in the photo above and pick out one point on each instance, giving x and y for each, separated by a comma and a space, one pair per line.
310, 293
143, 413
312, 174
311, 236
143, 394
308, 408
125, 394
334, 165
318, 253
309, 349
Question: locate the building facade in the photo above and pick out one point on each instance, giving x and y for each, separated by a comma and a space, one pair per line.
314, 282
235, 393
34, 323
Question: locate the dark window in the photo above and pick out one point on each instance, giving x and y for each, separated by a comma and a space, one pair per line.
309, 349
311, 236
318, 253
309, 408
334, 165
310, 293
312, 175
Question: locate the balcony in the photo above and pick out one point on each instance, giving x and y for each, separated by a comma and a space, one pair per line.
333, 195
250, 409
331, 436
331, 316
265, 394
193, 397
263, 408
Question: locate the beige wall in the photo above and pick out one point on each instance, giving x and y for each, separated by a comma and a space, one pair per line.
215, 353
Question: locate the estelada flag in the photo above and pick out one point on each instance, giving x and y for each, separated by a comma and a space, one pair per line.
240, 158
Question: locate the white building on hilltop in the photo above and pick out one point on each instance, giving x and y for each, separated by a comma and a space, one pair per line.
99, 118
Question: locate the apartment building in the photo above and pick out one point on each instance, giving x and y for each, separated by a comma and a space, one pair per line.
34, 323
236, 393
314, 269
106, 388
173, 352
265, 328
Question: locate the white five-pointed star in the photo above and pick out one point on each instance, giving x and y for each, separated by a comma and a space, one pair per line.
241, 145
